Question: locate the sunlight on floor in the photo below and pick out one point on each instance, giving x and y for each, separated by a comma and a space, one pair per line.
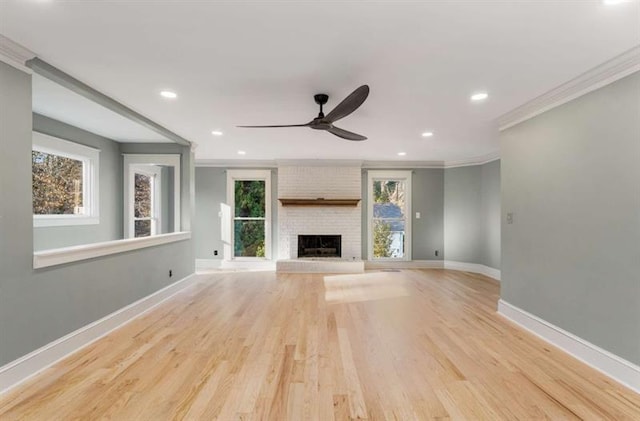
364, 287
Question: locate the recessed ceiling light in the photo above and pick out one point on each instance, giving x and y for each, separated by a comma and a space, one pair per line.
479, 96
168, 94
242, 153
427, 134
402, 153
216, 133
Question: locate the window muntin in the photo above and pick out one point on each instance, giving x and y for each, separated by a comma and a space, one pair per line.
64, 182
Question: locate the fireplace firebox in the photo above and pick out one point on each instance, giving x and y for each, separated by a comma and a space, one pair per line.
319, 246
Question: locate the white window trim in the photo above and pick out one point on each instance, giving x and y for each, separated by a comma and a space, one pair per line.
131, 165
90, 183
389, 175
232, 176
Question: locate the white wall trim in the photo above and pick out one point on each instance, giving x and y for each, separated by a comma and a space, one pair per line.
236, 163
410, 264
20, 370
14, 54
59, 256
318, 163
478, 160
255, 163
474, 268
619, 369
604, 74
207, 264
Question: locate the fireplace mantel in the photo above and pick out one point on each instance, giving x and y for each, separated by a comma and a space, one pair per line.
320, 201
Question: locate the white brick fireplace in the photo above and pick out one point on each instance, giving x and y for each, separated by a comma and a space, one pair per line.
311, 182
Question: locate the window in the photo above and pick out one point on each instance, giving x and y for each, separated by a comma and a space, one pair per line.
151, 194
64, 182
146, 191
389, 215
249, 195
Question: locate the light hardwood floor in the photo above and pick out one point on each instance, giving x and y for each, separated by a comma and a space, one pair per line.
415, 344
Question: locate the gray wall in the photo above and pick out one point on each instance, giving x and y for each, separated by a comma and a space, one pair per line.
211, 190
472, 214
462, 207
39, 306
571, 178
110, 177
427, 197
490, 250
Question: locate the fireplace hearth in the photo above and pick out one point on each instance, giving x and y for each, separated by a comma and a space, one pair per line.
319, 246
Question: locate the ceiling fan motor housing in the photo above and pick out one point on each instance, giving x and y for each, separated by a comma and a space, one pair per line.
321, 99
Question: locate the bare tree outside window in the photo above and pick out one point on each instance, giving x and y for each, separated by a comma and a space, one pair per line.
143, 205
56, 184
389, 219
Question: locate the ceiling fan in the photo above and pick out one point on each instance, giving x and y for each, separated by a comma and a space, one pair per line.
322, 122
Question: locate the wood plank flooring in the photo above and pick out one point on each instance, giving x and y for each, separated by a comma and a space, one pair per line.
408, 345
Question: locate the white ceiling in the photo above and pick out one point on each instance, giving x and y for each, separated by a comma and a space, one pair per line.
62, 104
260, 62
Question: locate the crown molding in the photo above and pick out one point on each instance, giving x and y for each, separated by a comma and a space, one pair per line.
604, 74
401, 164
319, 163
236, 163
15, 54
256, 163
478, 160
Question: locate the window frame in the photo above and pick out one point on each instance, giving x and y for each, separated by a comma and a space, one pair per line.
132, 162
155, 175
90, 158
381, 175
249, 175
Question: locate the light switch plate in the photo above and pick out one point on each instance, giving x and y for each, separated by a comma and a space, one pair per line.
417, 215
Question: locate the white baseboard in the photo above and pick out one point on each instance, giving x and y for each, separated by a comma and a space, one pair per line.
240, 264
619, 369
403, 264
20, 370
434, 264
324, 265
208, 264
473, 267
204, 265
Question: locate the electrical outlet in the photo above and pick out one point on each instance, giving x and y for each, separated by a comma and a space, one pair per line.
509, 217
170, 273
417, 215
215, 252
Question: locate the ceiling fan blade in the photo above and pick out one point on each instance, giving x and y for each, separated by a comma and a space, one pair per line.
348, 105
345, 134
282, 125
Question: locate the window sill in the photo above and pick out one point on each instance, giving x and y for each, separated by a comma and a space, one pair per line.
46, 258
63, 220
